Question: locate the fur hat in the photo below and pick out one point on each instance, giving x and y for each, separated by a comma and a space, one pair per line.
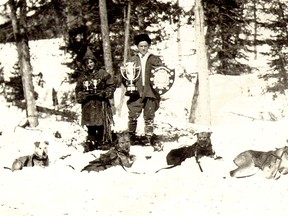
142, 37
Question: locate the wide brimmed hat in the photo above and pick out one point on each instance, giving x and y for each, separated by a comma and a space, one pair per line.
142, 37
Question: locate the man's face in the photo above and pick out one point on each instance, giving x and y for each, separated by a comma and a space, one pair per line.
90, 64
143, 47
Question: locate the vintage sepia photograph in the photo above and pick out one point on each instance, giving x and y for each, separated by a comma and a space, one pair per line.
143, 107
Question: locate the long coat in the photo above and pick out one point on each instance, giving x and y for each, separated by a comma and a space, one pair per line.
146, 90
96, 109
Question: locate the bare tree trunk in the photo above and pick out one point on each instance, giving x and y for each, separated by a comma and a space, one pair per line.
200, 110
106, 41
127, 32
255, 28
21, 38
179, 45
126, 54
105, 37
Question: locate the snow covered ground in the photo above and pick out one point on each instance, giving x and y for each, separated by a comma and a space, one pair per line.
241, 119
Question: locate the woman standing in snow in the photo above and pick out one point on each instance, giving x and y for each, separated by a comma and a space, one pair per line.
93, 90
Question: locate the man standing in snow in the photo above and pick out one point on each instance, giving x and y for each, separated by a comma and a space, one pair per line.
93, 90
148, 100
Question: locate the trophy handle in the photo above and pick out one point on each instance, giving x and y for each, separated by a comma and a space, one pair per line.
122, 71
138, 73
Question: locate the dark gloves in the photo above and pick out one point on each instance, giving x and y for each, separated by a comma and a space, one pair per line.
109, 93
83, 96
99, 94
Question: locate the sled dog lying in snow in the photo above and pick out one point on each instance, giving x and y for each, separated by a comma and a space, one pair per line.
38, 158
119, 155
272, 163
202, 147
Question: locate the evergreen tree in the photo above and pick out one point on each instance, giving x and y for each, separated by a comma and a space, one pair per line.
278, 42
225, 23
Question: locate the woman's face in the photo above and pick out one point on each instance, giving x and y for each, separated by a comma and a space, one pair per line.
143, 47
90, 64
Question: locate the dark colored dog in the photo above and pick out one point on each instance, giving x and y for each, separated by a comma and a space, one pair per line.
39, 157
119, 155
272, 163
202, 147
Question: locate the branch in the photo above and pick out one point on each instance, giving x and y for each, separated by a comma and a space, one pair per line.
253, 118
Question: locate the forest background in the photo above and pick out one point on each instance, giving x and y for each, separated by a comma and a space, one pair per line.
234, 31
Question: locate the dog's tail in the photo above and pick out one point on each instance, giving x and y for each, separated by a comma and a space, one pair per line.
169, 167
7, 168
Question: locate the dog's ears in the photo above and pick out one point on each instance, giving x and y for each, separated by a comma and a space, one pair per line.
208, 132
37, 144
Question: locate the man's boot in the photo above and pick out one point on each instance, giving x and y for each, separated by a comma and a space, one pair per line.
151, 137
133, 139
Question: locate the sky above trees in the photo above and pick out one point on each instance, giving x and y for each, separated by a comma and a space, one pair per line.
185, 4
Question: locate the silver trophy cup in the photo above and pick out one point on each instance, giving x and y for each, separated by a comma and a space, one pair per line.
130, 72
90, 86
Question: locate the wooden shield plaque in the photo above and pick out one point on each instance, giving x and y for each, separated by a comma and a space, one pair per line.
162, 79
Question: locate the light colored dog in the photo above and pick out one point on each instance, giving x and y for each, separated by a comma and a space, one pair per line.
38, 158
273, 164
